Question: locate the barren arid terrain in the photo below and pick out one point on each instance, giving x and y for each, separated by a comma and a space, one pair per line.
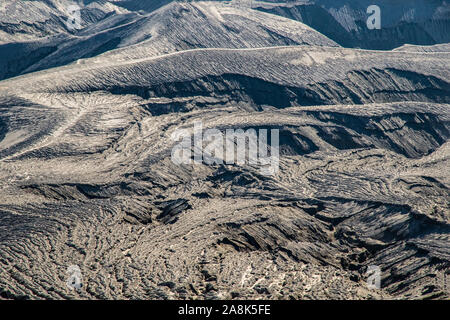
87, 177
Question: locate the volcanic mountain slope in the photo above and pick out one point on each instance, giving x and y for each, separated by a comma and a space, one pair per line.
30, 20
175, 27
435, 48
420, 22
87, 177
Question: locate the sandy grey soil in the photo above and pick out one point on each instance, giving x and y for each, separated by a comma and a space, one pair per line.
86, 176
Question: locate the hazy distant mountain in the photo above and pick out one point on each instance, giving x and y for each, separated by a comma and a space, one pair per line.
420, 22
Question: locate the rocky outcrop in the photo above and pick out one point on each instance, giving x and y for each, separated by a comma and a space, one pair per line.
416, 22
87, 179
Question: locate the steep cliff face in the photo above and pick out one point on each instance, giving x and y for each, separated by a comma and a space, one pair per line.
87, 176
417, 22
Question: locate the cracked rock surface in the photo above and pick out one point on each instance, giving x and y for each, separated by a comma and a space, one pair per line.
87, 179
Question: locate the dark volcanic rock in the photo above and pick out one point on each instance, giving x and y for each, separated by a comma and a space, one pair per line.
87, 178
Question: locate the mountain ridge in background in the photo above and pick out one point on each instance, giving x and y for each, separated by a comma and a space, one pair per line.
87, 179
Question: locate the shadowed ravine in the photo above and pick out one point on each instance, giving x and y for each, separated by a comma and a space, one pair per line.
87, 176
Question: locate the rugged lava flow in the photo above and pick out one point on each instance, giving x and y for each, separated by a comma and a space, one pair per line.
86, 176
